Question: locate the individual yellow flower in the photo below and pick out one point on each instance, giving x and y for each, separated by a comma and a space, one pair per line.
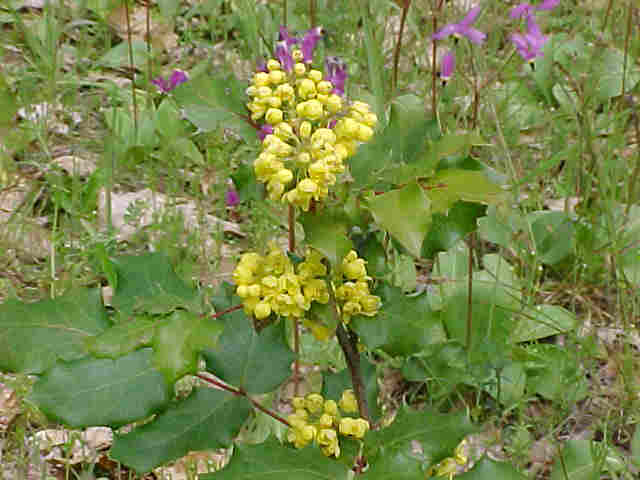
348, 402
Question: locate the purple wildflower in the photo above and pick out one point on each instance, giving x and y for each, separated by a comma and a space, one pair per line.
309, 42
463, 28
526, 9
284, 36
529, 45
447, 66
336, 73
232, 198
284, 56
166, 85
265, 130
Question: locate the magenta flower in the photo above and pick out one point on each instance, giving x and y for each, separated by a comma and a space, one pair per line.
309, 42
265, 130
447, 66
526, 9
166, 85
284, 36
463, 28
336, 73
530, 44
231, 198
284, 56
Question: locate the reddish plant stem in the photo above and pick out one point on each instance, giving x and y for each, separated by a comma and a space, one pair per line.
312, 13
396, 53
241, 393
470, 293
349, 344
132, 68
434, 51
228, 310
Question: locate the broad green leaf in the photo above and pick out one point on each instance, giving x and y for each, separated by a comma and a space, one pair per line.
336, 383
327, 234
578, 462
33, 336
168, 121
256, 362
148, 284
497, 227
91, 391
373, 252
405, 213
512, 379
323, 353
406, 134
449, 186
456, 144
118, 56
553, 235
444, 363
404, 274
542, 321
609, 71
415, 441
487, 469
448, 229
272, 461
403, 326
169, 8
178, 340
635, 447
186, 149
207, 419
127, 335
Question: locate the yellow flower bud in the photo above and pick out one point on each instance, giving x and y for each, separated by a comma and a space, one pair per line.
313, 110
273, 101
242, 291
370, 305
274, 116
370, 119
306, 88
322, 98
334, 103
348, 402
276, 77
315, 75
323, 86
284, 91
325, 420
305, 129
297, 55
251, 90
283, 131
331, 407
261, 79
303, 158
299, 69
314, 402
262, 310
284, 176
264, 92
273, 64
253, 290
323, 135
307, 186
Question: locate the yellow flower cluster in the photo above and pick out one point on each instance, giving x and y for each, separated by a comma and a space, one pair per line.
353, 295
314, 131
270, 283
319, 420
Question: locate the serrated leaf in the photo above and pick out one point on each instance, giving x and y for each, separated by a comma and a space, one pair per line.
91, 391
336, 383
487, 469
178, 340
542, 321
147, 283
207, 419
448, 229
404, 325
327, 233
449, 186
405, 213
256, 362
271, 460
415, 441
33, 336
127, 335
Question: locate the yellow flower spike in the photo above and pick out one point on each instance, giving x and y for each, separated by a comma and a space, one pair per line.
254, 290
285, 91
305, 129
306, 88
323, 135
276, 77
262, 310
261, 79
324, 86
334, 103
360, 427
346, 426
283, 130
243, 291
322, 98
315, 75
274, 116
303, 158
299, 69
257, 115
348, 402
297, 55
328, 439
314, 402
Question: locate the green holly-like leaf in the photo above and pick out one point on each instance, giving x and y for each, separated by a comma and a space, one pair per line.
336, 383
447, 229
415, 441
271, 460
207, 419
33, 336
327, 233
178, 340
487, 469
211, 101
404, 213
128, 334
256, 362
449, 186
404, 325
91, 391
148, 284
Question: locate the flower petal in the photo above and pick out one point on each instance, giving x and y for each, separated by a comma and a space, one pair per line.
445, 31
475, 36
470, 17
